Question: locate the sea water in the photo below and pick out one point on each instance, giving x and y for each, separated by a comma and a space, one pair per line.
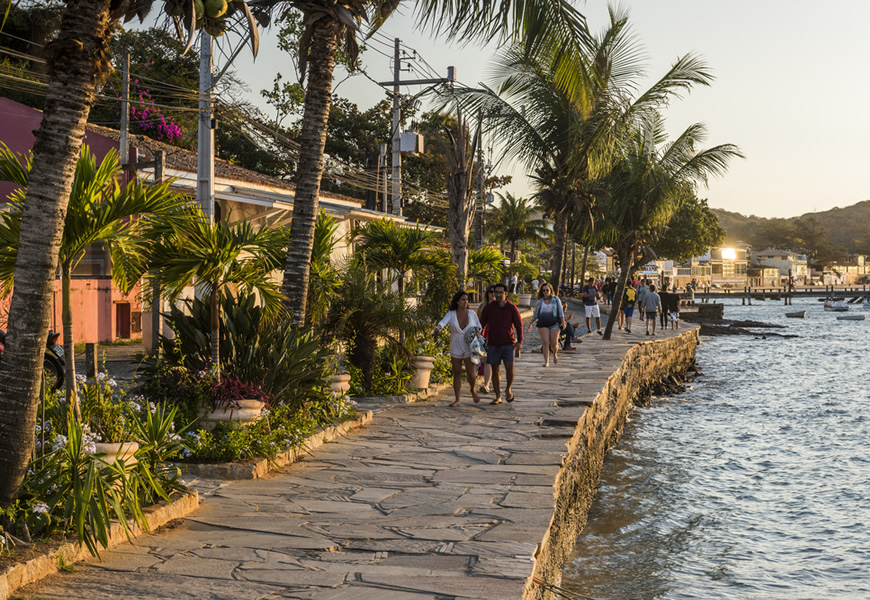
754, 483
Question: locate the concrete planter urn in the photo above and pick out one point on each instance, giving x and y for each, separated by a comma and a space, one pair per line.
423, 366
525, 299
247, 412
339, 385
125, 451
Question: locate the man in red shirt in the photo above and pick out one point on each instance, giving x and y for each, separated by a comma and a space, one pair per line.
502, 318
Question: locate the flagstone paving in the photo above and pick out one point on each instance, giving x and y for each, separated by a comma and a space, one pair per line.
427, 502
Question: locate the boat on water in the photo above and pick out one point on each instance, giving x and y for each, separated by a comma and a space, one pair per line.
801, 314
850, 318
836, 305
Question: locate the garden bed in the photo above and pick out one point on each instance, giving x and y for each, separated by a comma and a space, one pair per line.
259, 467
46, 558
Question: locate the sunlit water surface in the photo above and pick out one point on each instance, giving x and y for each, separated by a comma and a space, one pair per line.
753, 484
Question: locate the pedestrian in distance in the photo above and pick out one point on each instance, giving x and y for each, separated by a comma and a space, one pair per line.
464, 327
569, 332
665, 298
652, 304
514, 279
550, 318
642, 289
504, 337
626, 311
535, 284
672, 307
488, 296
590, 294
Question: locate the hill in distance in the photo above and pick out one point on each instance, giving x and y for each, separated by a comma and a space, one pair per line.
844, 228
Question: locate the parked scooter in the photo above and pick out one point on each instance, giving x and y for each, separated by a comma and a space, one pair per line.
53, 362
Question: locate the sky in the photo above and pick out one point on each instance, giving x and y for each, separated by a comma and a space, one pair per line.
791, 90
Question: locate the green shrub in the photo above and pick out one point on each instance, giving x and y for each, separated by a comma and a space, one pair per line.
289, 363
392, 375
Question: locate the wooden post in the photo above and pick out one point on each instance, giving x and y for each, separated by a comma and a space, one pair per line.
90, 359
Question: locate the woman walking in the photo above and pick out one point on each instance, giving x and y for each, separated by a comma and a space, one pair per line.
462, 324
550, 319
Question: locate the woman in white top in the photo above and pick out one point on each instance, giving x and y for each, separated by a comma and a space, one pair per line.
550, 319
462, 323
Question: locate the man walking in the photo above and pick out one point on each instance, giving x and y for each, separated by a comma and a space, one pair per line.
501, 318
590, 293
651, 305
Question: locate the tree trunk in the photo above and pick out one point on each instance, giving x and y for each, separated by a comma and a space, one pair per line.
583, 265
459, 221
625, 260
309, 170
560, 235
79, 63
362, 356
69, 344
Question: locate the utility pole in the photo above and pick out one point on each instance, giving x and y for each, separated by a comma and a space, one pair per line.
481, 201
397, 134
396, 191
205, 140
125, 111
382, 168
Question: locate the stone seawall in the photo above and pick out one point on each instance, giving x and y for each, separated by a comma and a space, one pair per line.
598, 430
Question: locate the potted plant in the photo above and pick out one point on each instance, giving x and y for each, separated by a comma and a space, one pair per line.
235, 402
104, 421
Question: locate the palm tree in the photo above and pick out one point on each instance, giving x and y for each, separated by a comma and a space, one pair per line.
568, 146
215, 256
646, 186
364, 313
554, 27
385, 245
99, 211
518, 220
78, 63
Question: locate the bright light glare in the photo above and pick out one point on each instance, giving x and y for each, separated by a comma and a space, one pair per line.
729, 253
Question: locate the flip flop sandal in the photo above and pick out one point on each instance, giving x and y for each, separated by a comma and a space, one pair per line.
496, 401
454, 404
511, 399
475, 397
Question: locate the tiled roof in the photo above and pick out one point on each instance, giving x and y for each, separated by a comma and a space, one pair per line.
185, 160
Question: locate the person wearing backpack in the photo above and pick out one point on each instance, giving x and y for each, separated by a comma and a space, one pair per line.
626, 311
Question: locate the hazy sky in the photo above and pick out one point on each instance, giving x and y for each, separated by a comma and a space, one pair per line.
791, 90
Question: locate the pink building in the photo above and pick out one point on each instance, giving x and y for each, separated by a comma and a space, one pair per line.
101, 313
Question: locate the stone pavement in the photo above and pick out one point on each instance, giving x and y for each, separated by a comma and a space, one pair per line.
427, 502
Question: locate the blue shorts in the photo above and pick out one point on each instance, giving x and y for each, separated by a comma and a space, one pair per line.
496, 354
628, 310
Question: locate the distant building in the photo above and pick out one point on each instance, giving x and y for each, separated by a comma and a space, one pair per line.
786, 263
854, 271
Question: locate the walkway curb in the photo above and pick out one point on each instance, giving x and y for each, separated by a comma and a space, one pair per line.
21, 574
257, 468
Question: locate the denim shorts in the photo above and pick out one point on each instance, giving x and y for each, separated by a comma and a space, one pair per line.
497, 354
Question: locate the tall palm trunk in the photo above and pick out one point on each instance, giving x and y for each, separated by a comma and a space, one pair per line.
626, 259
459, 222
315, 116
69, 350
79, 60
583, 265
560, 236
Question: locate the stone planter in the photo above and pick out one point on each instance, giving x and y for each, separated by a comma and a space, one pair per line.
423, 366
525, 299
122, 450
248, 411
339, 385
